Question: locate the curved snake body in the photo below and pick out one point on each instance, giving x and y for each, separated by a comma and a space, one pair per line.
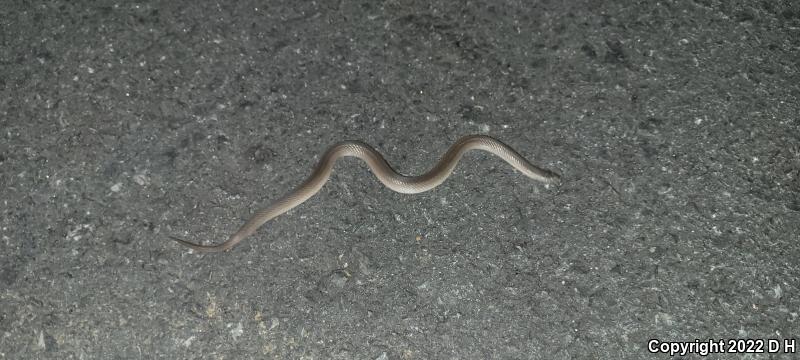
388, 176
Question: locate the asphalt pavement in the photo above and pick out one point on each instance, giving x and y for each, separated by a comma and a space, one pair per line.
674, 126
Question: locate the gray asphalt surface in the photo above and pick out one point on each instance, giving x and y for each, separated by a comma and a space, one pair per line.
674, 124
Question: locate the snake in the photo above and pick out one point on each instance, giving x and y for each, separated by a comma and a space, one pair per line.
385, 174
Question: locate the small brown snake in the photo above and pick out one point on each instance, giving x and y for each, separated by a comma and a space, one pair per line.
388, 176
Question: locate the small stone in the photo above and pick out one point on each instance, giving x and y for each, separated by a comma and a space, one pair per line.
141, 179
116, 187
237, 331
777, 291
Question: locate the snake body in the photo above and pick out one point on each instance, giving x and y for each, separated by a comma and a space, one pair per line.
384, 172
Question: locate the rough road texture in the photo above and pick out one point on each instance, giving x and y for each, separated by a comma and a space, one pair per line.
674, 124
